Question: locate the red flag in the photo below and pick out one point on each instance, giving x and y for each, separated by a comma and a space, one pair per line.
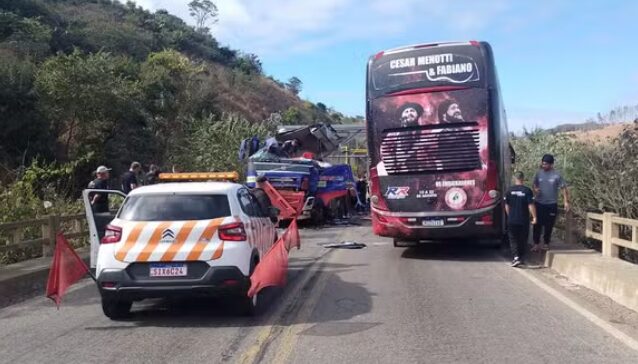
66, 269
272, 269
291, 236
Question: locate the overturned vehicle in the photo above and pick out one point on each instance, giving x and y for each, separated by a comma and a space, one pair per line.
293, 164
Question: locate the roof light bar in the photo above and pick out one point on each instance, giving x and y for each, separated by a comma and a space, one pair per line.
199, 176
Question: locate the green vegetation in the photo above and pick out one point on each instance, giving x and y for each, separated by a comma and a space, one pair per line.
89, 82
602, 175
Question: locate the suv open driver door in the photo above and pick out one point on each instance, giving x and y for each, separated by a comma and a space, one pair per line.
97, 221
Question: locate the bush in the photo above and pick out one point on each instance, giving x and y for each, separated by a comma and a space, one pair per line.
213, 145
601, 176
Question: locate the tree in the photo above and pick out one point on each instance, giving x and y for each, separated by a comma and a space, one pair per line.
291, 116
24, 130
294, 85
204, 12
92, 102
249, 64
322, 107
172, 94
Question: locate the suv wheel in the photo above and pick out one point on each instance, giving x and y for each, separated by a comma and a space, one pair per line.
250, 305
116, 309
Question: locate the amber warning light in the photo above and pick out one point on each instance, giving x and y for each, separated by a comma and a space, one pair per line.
199, 176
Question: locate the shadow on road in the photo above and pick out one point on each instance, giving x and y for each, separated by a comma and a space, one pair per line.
347, 299
456, 251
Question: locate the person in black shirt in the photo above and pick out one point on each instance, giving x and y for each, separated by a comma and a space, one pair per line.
100, 201
129, 179
152, 176
362, 189
262, 198
519, 204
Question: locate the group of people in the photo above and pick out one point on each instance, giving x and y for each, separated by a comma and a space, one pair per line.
538, 206
130, 180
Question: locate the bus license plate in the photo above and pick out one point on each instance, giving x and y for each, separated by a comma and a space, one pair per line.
438, 222
168, 270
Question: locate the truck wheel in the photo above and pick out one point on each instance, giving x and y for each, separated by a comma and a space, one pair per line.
317, 214
116, 309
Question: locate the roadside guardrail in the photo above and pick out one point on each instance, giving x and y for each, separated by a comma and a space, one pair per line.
613, 231
40, 233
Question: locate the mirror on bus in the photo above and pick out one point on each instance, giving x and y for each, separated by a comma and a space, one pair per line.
512, 154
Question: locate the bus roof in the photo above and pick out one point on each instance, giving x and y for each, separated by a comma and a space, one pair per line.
424, 45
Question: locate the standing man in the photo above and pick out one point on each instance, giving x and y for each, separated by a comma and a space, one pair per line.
547, 182
129, 179
362, 189
100, 201
152, 176
519, 205
262, 197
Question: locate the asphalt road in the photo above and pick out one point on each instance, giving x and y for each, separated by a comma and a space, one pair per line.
435, 304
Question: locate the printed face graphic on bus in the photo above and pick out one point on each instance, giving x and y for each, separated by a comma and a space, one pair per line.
450, 112
409, 114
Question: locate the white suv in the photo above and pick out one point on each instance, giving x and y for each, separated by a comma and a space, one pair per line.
189, 238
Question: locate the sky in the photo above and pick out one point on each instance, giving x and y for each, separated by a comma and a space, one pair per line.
558, 61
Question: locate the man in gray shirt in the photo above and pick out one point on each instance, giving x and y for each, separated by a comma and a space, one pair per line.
547, 182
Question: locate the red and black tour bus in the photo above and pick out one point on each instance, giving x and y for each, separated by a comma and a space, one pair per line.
438, 143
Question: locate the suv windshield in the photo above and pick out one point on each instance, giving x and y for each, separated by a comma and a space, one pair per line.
174, 207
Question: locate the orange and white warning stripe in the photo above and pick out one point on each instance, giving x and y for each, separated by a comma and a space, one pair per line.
190, 240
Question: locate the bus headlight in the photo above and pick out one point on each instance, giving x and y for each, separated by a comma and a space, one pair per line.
493, 194
374, 199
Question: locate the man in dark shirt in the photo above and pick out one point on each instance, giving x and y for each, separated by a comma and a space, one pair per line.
129, 179
152, 176
100, 201
362, 189
262, 198
519, 204
547, 183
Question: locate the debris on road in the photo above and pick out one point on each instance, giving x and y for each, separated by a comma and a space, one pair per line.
345, 245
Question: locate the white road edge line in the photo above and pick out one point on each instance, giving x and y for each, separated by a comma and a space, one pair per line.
611, 330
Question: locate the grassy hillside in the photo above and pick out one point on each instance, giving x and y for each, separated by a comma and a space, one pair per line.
107, 83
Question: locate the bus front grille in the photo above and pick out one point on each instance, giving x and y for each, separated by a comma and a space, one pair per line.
429, 150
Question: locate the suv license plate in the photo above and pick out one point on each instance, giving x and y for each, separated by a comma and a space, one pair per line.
433, 222
168, 270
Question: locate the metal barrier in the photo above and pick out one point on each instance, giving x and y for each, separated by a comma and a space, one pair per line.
12, 234
609, 232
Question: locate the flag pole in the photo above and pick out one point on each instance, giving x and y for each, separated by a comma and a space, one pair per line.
92, 276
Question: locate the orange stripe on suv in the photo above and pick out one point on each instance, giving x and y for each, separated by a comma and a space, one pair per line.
130, 241
204, 239
183, 234
152, 243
